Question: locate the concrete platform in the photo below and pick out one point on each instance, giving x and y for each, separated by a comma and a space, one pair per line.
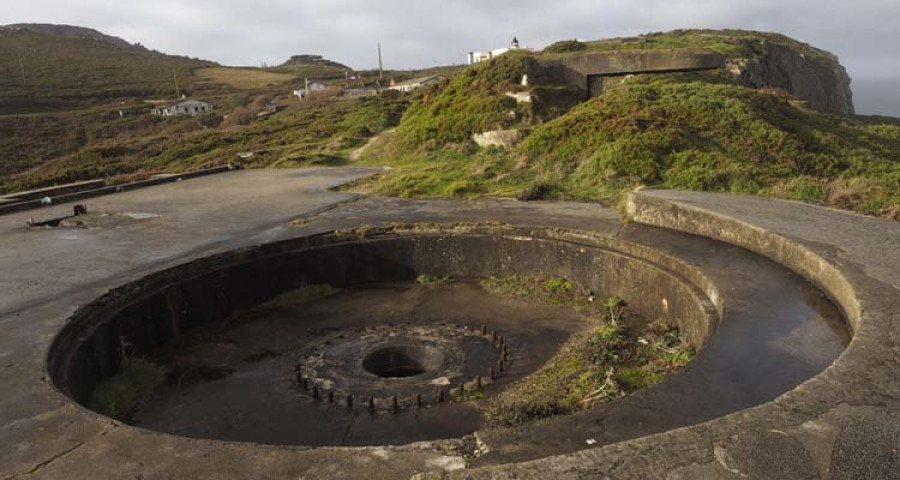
842, 423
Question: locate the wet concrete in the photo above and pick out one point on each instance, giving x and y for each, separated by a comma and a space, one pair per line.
777, 332
762, 349
257, 402
53, 271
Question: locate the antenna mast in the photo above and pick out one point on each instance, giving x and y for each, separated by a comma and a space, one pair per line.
177, 90
22, 67
380, 63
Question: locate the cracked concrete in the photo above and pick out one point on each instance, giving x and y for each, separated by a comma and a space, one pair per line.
839, 424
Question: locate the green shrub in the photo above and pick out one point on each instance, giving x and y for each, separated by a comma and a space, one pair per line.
120, 395
566, 46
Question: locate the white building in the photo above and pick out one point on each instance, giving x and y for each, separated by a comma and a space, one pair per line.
411, 85
478, 57
312, 88
184, 107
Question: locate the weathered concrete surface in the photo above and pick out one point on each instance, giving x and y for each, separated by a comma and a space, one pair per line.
841, 424
580, 68
48, 273
808, 433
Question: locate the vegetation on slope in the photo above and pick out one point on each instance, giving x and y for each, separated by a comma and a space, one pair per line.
691, 131
619, 355
472, 102
243, 78
58, 67
699, 136
121, 395
672, 131
313, 67
101, 144
730, 43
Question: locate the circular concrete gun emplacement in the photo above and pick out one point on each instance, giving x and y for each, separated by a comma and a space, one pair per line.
387, 336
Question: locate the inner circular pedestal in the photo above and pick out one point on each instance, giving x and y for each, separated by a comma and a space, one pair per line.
373, 365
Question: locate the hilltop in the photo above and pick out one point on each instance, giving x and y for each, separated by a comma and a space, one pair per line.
73, 31
313, 67
721, 130
775, 119
752, 59
53, 65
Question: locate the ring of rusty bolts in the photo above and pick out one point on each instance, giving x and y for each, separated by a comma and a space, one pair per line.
318, 389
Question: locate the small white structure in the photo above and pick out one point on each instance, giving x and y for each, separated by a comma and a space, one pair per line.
413, 84
184, 107
312, 88
478, 57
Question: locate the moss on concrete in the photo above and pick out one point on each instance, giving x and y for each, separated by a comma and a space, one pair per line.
619, 355
120, 396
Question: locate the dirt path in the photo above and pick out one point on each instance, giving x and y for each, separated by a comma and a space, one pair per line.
357, 154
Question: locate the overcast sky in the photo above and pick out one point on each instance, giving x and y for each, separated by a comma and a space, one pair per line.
865, 34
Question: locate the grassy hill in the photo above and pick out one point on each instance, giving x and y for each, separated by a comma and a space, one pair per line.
730, 43
685, 131
704, 131
71, 68
313, 67
98, 143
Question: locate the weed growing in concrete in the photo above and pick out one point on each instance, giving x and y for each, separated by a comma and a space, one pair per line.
553, 291
120, 396
615, 306
621, 355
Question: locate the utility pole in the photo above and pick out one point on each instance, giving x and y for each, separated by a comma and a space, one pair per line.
22, 67
177, 90
380, 63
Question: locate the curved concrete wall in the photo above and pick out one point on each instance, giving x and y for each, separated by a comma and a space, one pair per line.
790, 253
155, 311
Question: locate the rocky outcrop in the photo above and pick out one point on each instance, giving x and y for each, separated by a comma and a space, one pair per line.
811, 75
497, 138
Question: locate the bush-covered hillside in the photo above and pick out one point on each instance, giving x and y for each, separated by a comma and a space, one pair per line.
101, 144
699, 136
671, 131
730, 43
62, 67
475, 100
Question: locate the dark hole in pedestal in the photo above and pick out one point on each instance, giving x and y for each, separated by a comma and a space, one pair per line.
393, 362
